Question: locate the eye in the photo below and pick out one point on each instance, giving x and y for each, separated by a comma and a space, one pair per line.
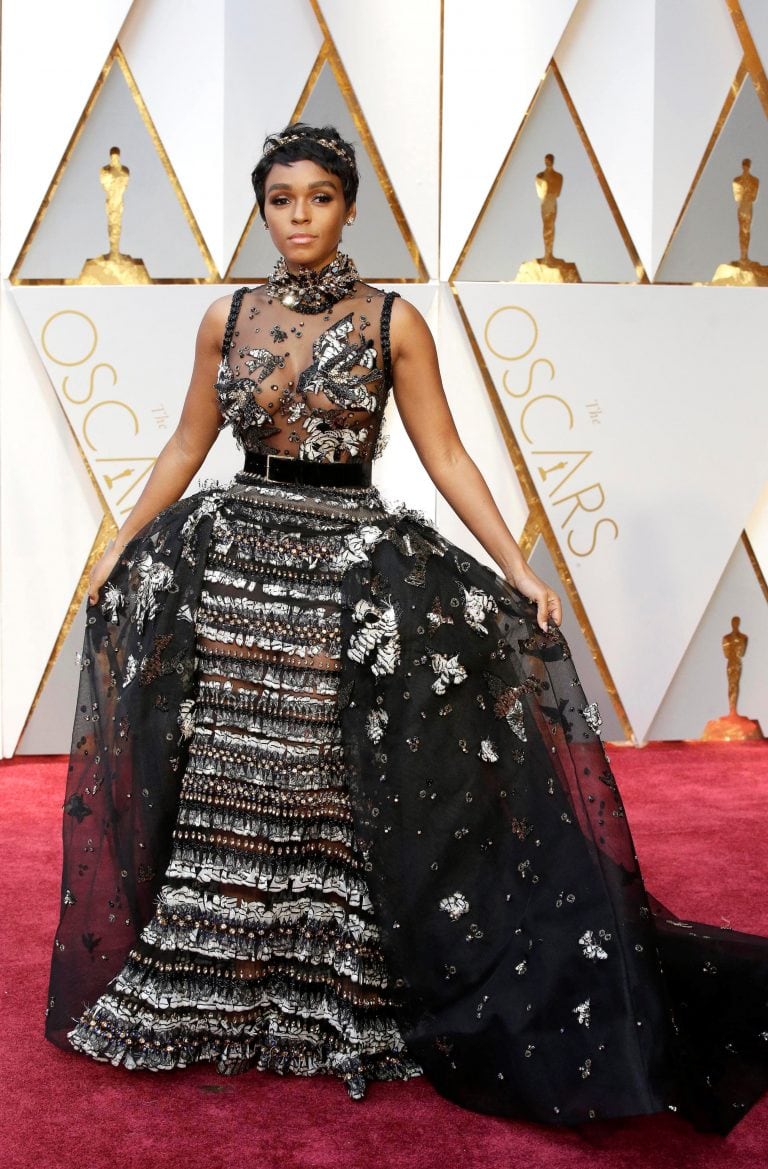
278, 200
323, 197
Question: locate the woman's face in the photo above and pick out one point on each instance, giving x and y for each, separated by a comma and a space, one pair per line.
305, 211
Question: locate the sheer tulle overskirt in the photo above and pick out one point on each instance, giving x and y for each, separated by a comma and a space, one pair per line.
540, 978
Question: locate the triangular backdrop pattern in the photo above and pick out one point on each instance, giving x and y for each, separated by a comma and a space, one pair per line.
156, 225
510, 231
649, 374
708, 233
699, 690
377, 241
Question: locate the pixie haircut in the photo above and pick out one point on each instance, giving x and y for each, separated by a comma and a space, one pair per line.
306, 144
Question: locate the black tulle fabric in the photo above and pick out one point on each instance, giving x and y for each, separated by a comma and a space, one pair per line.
540, 979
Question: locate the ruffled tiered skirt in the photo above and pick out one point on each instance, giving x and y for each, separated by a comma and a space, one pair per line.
263, 950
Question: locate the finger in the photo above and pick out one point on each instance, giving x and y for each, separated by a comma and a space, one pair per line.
555, 609
541, 613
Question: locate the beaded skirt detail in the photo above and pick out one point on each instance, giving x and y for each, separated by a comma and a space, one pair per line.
263, 950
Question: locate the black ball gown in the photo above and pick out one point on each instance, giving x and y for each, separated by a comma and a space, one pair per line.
337, 805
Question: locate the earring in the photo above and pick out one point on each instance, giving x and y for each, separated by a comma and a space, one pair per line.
265, 225
350, 221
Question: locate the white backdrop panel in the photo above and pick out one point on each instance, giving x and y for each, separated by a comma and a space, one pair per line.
189, 116
49, 516
400, 98
400, 475
757, 530
232, 93
607, 59
625, 404
480, 432
697, 55
756, 15
699, 689
66, 45
494, 56
119, 360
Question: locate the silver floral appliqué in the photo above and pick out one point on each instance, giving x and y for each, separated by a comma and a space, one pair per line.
378, 638
592, 717
357, 545
592, 948
455, 906
376, 724
583, 1013
130, 670
186, 719
113, 600
488, 752
477, 605
448, 670
154, 578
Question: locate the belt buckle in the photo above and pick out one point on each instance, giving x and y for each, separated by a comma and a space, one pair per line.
278, 463
269, 474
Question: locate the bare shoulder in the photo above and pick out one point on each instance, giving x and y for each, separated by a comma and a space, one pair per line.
217, 312
408, 327
210, 333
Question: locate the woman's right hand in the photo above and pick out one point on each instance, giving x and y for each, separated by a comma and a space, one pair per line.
101, 571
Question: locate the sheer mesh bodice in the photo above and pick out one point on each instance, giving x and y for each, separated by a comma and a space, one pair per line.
307, 386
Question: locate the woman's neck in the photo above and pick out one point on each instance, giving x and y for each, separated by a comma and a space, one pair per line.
294, 268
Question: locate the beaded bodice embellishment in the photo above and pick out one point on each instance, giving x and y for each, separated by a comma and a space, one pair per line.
307, 385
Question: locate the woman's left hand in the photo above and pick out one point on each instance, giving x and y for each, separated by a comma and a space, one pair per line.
549, 606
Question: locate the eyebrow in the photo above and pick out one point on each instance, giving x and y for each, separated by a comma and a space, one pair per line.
288, 187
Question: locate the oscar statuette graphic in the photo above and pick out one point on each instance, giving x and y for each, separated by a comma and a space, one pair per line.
114, 267
743, 272
548, 269
733, 726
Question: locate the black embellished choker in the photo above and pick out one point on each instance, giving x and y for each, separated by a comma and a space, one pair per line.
312, 291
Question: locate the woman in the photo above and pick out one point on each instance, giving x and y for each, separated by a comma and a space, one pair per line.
337, 803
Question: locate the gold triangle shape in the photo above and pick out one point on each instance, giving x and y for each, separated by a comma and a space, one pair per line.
538, 523
730, 100
672, 695
107, 531
552, 69
755, 564
115, 57
328, 55
751, 63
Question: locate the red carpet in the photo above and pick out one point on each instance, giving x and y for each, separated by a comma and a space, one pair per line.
700, 821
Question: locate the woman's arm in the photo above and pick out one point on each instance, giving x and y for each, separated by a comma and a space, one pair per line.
184, 453
426, 415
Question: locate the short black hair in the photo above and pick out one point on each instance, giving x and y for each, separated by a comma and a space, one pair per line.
305, 144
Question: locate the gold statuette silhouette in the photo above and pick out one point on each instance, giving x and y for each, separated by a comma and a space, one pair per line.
733, 726
743, 272
114, 267
548, 269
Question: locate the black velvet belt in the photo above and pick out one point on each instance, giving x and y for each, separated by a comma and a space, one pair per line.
280, 469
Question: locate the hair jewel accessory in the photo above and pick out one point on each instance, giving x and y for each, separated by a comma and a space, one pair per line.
334, 146
312, 291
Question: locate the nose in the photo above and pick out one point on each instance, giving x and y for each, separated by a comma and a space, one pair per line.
300, 211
